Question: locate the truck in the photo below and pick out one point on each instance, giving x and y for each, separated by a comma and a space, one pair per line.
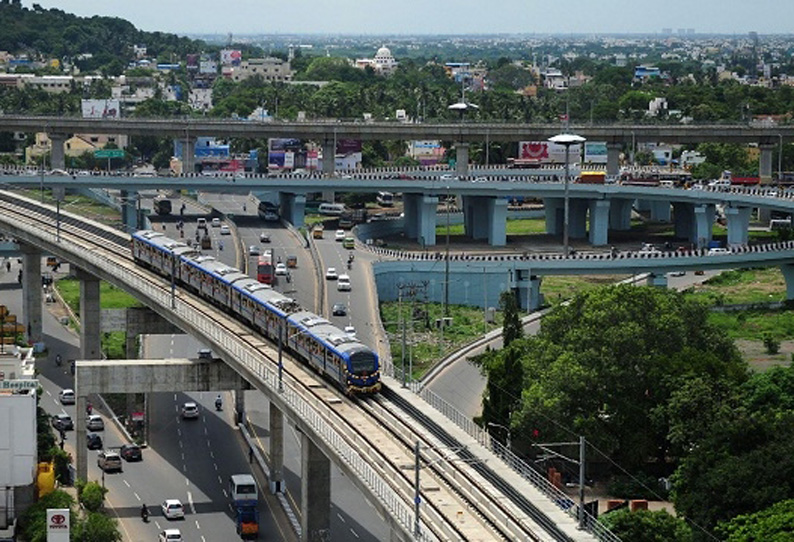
243, 492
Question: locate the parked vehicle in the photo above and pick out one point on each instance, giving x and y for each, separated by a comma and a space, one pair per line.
62, 422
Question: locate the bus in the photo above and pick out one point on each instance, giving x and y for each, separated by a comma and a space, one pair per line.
592, 177
264, 268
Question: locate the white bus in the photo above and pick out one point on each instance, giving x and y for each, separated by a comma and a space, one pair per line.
242, 487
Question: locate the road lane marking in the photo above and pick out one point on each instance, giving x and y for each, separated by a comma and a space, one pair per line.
354, 533
190, 502
212, 454
341, 518
197, 525
187, 481
126, 483
138, 497
216, 466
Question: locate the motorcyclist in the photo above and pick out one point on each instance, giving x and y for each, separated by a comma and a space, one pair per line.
218, 403
58, 360
144, 513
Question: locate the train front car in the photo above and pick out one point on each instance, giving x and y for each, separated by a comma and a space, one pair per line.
363, 368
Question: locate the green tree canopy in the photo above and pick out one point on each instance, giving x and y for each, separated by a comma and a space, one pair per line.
646, 526
773, 524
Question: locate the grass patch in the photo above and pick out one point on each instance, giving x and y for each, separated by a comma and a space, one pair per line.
110, 297
740, 286
557, 289
518, 226
79, 204
752, 325
424, 343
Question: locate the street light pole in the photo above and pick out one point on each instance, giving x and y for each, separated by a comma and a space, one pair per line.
567, 140
446, 265
508, 442
780, 157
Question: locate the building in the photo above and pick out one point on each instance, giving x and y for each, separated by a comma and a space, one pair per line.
270, 69
383, 63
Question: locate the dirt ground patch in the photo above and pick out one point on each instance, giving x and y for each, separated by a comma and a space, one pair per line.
756, 356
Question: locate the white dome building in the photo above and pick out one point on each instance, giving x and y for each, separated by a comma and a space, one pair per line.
383, 63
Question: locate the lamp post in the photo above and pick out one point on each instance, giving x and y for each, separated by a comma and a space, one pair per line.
446, 264
780, 157
567, 140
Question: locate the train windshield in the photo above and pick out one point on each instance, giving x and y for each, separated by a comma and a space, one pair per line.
363, 363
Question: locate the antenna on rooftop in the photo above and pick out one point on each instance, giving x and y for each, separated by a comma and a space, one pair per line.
229, 38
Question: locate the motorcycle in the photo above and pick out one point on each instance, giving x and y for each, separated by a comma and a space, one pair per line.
58, 360
145, 514
218, 405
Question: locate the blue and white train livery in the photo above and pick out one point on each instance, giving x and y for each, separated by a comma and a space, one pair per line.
350, 364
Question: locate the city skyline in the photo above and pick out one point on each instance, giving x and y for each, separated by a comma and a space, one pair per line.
367, 17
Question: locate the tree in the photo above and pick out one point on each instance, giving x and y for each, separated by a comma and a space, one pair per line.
511, 328
606, 365
33, 523
646, 526
773, 524
97, 527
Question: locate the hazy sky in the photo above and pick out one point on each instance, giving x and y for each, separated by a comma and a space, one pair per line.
440, 17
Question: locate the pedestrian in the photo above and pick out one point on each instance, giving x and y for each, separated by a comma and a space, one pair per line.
8, 265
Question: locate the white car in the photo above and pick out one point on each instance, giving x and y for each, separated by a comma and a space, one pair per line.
173, 509
66, 396
190, 411
216, 223
350, 331
225, 230
93, 422
717, 251
339, 236
254, 250
343, 283
171, 535
281, 268
330, 274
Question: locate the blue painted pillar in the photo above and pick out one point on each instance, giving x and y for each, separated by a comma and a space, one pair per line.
613, 159
292, 208
643, 205
620, 214
497, 222
660, 211
704, 219
129, 210
485, 217
577, 219
683, 220
658, 279
788, 275
426, 220
599, 222
554, 209
411, 212
527, 289
738, 225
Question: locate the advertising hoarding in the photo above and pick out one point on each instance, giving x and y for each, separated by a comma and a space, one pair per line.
545, 152
58, 528
231, 57
101, 109
595, 152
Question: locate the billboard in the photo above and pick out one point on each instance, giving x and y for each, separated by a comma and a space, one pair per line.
231, 57
192, 62
595, 152
58, 527
101, 109
348, 146
208, 66
545, 152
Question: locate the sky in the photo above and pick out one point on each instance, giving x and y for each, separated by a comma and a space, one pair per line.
378, 17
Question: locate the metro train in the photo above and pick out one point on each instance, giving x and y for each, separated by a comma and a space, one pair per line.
350, 364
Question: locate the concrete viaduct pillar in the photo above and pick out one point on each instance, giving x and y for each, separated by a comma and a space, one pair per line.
599, 222
765, 163
577, 218
527, 289
683, 220
788, 275
90, 342
31, 291
315, 492
738, 224
657, 279
462, 159
554, 209
129, 210
292, 208
57, 155
420, 218
329, 157
613, 159
276, 449
704, 219
660, 211
485, 217
189, 155
620, 214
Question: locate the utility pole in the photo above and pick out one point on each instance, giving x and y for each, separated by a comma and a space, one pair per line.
581, 443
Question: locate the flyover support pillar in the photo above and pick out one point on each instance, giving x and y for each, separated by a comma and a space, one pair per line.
57, 154
683, 221
660, 211
613, 159
620, 214
704, 220
554, 208
239, 404
81, 447
599, 222
461, 159
738, 225
276, 449
420, 218
293, 208
129, 210
315, 492
485, 217
788, 275
31, 289
657, 279
90, 343
765, 163
527, 290
577, 218
329, 157
189, 155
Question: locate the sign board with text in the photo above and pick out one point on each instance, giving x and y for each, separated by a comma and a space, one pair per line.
58, 525
109, 153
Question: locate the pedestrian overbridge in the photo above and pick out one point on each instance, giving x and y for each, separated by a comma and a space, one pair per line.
145, 376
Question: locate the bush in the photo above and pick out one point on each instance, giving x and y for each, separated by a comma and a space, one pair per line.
640, 486
92, 495
771, 343
62, 461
